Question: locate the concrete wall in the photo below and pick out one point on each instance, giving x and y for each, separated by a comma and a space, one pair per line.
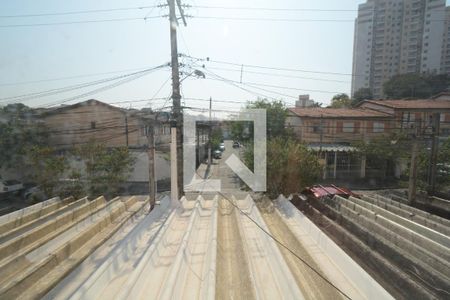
93, 121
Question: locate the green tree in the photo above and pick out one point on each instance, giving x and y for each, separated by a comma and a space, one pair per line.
383, 151
443, 166
290, 166
105, 169
48, 168
361, 95
415, 86
216, 137
18, 134
276, 116
340, 101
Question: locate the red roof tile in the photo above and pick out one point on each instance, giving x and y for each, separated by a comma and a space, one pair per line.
411, 104
317, 112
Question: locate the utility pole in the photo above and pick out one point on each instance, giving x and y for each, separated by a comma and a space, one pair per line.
151, 165
412, 186
126, 129
176, 96
321, 135
434, 152
210, 134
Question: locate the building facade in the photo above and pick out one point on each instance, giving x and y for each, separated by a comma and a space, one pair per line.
332, 132
397, 37
93, 120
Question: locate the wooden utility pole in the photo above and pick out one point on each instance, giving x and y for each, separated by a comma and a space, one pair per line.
151, 165
210, 134
412, 186
176, 96
126, 129
434, 152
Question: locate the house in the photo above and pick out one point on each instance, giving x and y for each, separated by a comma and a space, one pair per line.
406, 114
332, 131
93, 120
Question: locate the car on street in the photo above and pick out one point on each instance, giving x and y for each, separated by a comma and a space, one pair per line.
236, 145
222, 147
34, 194
217, 154
10, 186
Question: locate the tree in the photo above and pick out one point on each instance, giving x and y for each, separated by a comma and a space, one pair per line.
383, 151
340, 101
361, 95
104, 169
290, 166
48, 168
415, 86
216, 137
18, 135
276, 116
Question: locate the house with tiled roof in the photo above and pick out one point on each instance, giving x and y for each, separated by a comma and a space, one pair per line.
332, 131
407, 114
94, 120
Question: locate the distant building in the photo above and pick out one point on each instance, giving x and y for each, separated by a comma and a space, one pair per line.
93, 120
304, 101
398, 37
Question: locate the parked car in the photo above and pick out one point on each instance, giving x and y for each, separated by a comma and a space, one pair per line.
10, 186
34, 194
217, 154
222, 147
236, 145
317, 192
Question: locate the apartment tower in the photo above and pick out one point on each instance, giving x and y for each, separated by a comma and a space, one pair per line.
399, 37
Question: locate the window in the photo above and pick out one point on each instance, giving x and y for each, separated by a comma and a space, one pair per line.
92, 125
348, 127
408, 118
316, 128
378, 127
442, 119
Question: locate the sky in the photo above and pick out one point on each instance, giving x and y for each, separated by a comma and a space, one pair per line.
315, 43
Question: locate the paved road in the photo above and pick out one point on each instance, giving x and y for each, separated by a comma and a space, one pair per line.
230, 182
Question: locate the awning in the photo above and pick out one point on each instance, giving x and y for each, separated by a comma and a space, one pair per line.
331, 148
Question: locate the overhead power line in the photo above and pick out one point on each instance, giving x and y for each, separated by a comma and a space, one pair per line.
271, 68
71, 77
274, 19
79, 22
270, 8
278, 75
77, 12
127, 79
30, 96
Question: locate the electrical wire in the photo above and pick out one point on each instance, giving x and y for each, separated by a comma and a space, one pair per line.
271, 68
77, 12
271, 9
277, 75
273, 19
101, 89
30, 96
70, 77
79, 22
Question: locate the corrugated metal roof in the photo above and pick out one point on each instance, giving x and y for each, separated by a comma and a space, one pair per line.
81, 249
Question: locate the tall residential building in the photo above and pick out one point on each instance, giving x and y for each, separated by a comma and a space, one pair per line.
398, 37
